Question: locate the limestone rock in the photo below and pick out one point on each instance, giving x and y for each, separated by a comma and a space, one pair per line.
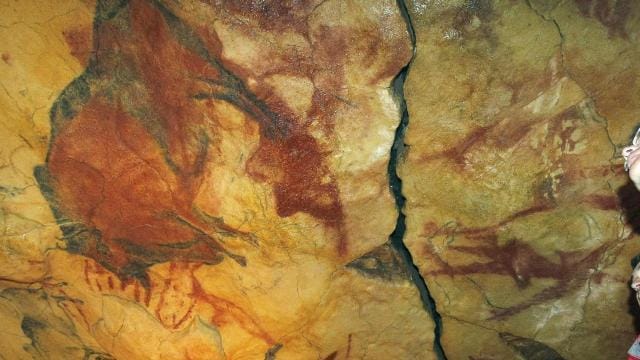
202, 180
516, 197
216, 179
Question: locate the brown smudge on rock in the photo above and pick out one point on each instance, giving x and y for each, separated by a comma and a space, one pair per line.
6, 57
612, 14
603, 202
270, 14
328, 81
472, 11
79, 41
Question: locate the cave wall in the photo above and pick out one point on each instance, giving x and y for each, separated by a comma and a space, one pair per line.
317, 179
524, 238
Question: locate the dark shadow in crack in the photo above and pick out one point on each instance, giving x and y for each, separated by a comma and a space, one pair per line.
396, 238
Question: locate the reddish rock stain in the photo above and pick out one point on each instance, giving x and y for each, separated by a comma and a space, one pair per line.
518, 260
603, 202
79, 41
94, 273
612, 14
6, 57
302, 181
225, 310
512, 123
271, 14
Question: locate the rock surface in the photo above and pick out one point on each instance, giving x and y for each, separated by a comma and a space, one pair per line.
195, 179
205, 179
521, 108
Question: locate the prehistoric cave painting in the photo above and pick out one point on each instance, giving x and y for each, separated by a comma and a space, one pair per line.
515, 259
129, 145
612, 14
176, 299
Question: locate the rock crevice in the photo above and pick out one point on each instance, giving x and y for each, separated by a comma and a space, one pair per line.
395, 183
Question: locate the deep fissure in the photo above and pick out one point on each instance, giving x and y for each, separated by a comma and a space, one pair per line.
395, 183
